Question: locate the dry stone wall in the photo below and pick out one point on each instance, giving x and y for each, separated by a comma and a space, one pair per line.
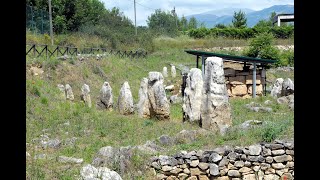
268, 161
239, 82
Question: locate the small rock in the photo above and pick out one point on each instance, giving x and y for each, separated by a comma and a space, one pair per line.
278, 152
244, 170
234, 173
278, 165
203, 166
214, 169
269, 159
166, 168
215, 157
282, 158
249, 177
176, 171
88, 171
195, 171
271, 177
194, 163
287, 176
239, 164
65, 159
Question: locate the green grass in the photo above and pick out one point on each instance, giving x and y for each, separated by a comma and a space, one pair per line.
94, 129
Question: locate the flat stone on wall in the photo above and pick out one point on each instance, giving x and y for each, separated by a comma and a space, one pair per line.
249, 79
239, 90
237, 80
258, 89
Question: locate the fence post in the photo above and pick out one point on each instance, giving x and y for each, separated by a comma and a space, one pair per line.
46, 51
34, 50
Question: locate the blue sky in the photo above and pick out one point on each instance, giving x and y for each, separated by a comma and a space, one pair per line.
145, 8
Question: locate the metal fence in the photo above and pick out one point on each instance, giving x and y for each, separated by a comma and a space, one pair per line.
37, 20
40, 50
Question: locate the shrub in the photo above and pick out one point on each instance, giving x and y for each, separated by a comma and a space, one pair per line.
261, 47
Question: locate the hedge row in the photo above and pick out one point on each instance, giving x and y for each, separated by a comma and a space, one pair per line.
244, 33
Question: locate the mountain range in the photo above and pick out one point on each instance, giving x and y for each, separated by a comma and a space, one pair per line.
225, 16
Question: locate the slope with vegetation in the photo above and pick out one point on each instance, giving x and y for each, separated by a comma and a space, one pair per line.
82, 131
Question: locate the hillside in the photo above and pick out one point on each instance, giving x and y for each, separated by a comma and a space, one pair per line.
57, 127
224, 16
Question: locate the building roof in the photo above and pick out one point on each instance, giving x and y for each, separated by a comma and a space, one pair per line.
231, 57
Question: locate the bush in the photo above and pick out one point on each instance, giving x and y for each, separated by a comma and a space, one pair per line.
242, 33
286, 58
261, 47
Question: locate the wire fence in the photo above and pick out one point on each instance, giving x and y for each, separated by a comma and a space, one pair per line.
42, 50
37, 20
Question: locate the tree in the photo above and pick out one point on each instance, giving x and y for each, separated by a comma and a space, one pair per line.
220, 26
192, 23
183, 23
272, 15
162, 22
239, 20
262, 47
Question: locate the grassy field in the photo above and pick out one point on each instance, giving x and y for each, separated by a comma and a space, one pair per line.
48, 114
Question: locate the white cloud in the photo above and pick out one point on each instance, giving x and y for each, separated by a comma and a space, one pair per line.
145, 8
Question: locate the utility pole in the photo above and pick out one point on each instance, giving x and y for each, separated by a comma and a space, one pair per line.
50, 19
135, 20
175, 15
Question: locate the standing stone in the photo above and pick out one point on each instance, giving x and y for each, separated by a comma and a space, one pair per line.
143, 104
165, 72
125, 100
69, 93
287, 87
159, 104
106, 97
85, 95
277, 88
63, 91
215, 107
192, 95
173, 71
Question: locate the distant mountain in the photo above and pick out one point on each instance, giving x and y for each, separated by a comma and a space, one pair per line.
228, 11
203, 17
225, 16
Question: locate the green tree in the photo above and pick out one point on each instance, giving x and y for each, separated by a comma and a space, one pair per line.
162, 22
220, 26
239, 20
262, 47
272, 15
192, 24
183, 23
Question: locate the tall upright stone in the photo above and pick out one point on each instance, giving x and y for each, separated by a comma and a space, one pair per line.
277, 88
69, 93
192, 96
159, 104
63, 91
287, 87
143, 104
106, 98
85, 95
165, 72
125, 100
215, 107
173, 71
